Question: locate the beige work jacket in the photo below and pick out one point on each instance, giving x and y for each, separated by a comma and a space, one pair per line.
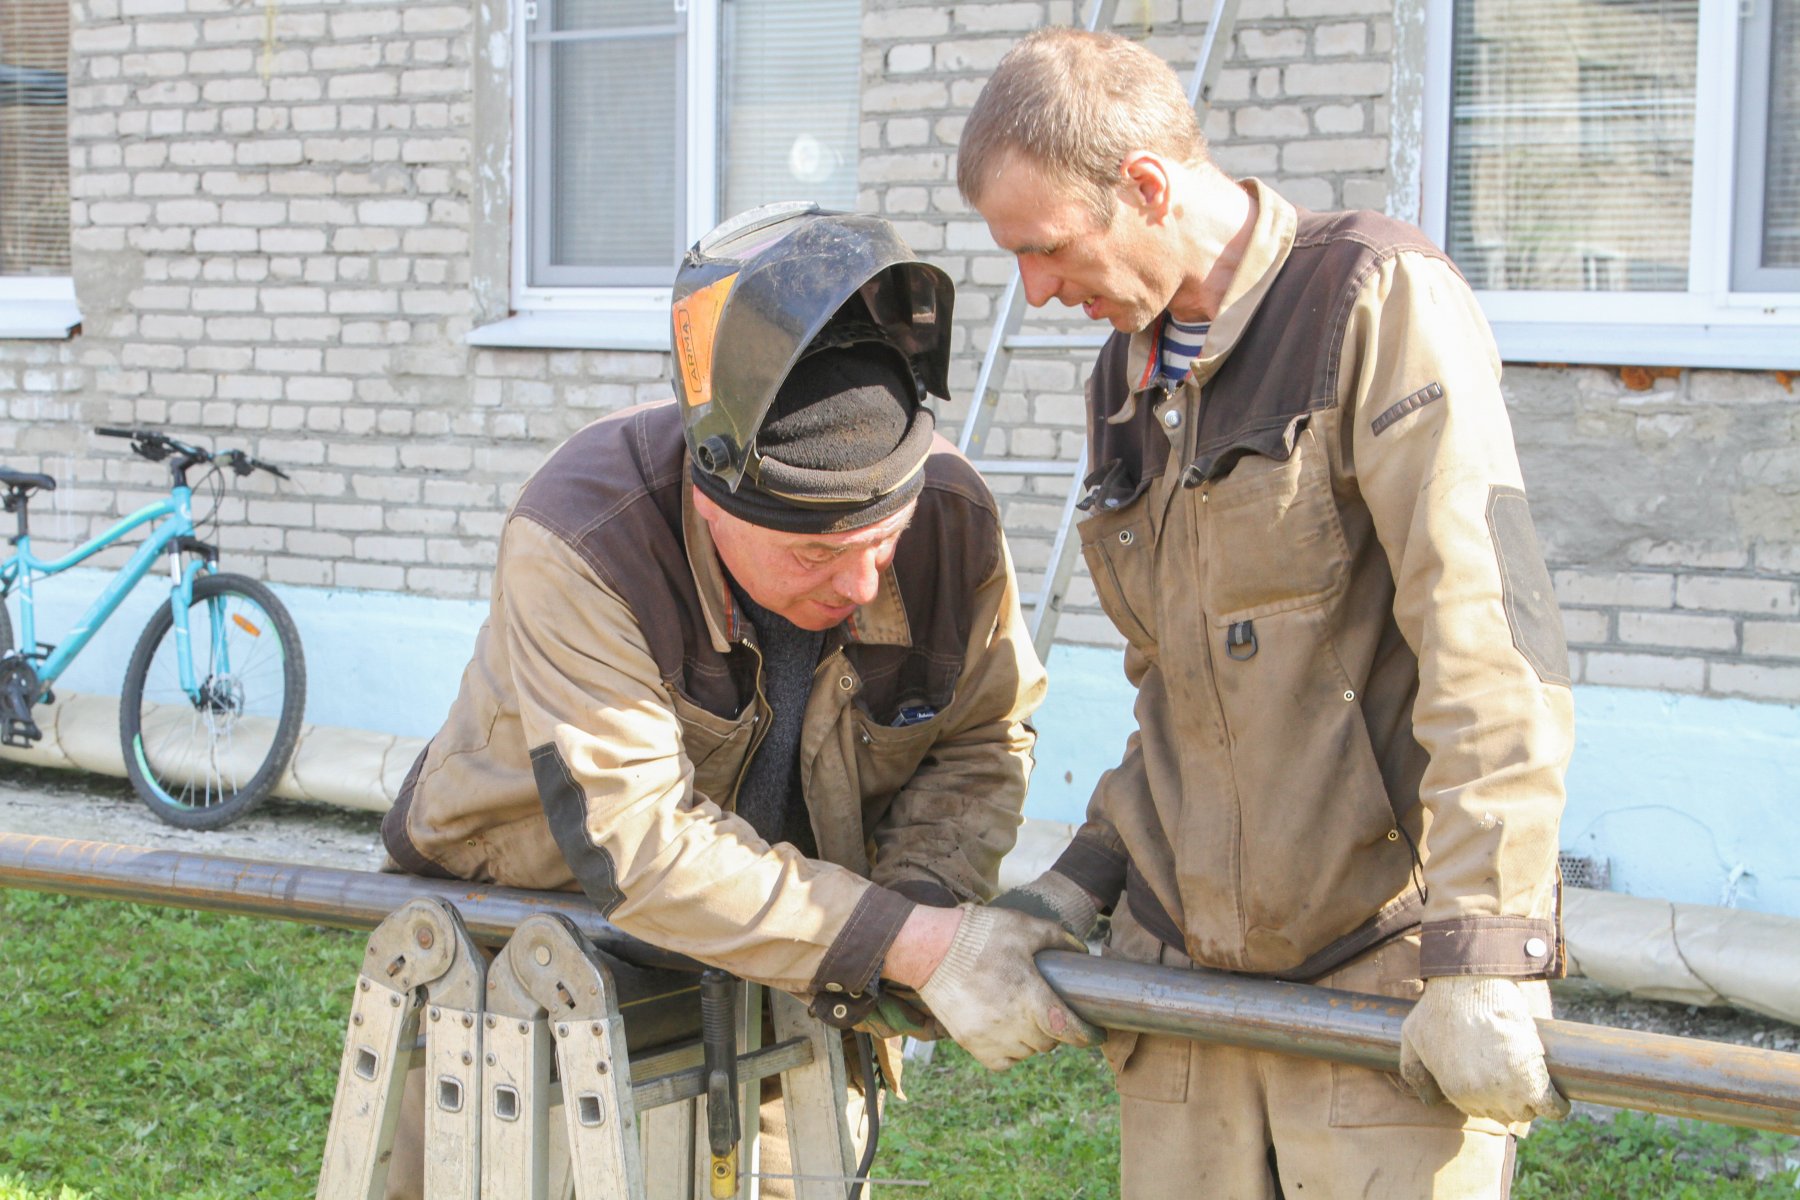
614, 700
1353, 705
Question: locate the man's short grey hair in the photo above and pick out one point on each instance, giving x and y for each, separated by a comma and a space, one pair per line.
1074, 104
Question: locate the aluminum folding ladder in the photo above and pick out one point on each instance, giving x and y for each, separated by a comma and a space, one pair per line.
1044, 606
509, 1044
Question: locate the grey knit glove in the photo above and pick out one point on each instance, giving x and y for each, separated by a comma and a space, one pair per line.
988, 994
1472, 1039
1053, 896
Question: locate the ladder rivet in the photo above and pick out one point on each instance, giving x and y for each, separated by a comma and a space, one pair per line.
542, 954
468, 1020
435, 1014
599, 1029
523, 1027
356, 1018
363, 984
467, 1058
490, 1022
393, 1002
424, 938
490, 1060
600, 1067
562, 1031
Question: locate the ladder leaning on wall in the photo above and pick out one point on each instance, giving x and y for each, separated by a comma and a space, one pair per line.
1044, 606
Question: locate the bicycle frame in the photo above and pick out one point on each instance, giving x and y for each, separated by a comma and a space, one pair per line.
23, 566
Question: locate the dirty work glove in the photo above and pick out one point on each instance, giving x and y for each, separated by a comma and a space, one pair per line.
900, 1013
1053, 896
988, 994
1471, 1039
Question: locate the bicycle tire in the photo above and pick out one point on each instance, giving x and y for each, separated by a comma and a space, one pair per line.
203, 763
6, 632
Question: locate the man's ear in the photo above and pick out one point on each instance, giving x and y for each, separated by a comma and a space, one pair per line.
1146, 186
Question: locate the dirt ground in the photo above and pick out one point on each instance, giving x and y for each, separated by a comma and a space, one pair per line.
96, 808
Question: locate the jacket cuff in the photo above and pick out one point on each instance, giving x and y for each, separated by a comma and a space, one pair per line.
1516, 947
928, 892
1098, 869
844, 981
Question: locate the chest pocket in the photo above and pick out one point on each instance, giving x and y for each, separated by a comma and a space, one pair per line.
1120, 552
717, 746
1270, 534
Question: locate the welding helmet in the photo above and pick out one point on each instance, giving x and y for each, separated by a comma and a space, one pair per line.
766, 288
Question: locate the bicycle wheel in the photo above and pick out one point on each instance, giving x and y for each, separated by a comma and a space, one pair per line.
202, 760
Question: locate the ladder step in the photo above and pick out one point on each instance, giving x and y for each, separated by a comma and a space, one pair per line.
1024, 466
1055, 341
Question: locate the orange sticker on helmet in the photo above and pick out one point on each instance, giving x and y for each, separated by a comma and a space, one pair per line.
696, 318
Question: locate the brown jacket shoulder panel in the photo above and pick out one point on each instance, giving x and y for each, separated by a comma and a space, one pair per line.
948, 551
613, 494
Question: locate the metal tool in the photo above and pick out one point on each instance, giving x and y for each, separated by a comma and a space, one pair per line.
719, 1039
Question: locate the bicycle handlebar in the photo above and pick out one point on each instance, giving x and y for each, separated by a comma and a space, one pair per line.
157, 446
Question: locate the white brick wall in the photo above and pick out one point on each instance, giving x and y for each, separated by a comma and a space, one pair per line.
278, 245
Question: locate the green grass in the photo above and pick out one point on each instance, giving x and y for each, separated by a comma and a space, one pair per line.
154, 1054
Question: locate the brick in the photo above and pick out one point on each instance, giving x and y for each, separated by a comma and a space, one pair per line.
1756, 681
1626, 589
1335, 154
1339, 40
1660, 672
1336, 80
913, 23
1256, 44
909, 58
1340, 118
1678, 631
1771, 639
1281, 121
449, 18
1727, 594
981, 55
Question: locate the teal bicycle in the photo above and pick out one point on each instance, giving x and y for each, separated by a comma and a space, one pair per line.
210, 710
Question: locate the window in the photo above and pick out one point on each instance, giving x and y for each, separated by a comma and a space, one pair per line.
37, 296
1620, 179
645, 122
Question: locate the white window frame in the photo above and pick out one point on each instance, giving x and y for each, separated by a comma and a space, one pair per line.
1709, 325
608, 318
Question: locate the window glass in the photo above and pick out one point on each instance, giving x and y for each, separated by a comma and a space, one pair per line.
34, 137
1781, 180
788, 98
1571, 145
615, 167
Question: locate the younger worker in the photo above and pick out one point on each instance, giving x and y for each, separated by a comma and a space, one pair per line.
754, 677
1306, 518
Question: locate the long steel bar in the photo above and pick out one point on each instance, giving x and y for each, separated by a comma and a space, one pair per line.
291, 892
1712, 1081
1683, 1077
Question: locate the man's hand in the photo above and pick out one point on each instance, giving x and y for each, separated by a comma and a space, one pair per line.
988, 995
1471, 1039
1053, 896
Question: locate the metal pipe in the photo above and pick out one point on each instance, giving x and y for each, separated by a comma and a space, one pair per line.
1683, 1077
293, 892
1711, 1081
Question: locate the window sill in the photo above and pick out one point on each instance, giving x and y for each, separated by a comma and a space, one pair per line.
1762, 347
592, 329
38, 320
